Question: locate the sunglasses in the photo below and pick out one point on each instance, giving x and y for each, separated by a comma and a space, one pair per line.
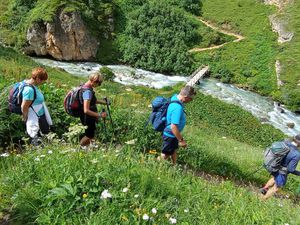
98, 81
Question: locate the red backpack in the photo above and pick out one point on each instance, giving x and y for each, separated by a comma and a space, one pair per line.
73, 102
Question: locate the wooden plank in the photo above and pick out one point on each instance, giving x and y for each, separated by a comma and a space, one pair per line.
197, 75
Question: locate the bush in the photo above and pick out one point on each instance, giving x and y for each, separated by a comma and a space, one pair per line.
107, 73
157, 37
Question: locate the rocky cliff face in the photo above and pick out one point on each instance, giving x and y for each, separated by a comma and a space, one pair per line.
66, 38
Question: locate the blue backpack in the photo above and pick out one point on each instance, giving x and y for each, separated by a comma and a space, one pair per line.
159, 112
15, 97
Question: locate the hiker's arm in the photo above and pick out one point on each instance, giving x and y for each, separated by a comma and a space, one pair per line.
87, 111
291, 168
178, 135
103, 102
25, 107
296, 172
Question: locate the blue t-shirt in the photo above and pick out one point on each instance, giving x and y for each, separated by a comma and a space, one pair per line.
175, 115
28, 94
87, 95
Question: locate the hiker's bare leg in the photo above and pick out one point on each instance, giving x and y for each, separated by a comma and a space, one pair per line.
270, 192
174, 157
270, 183
163, 156
85, 141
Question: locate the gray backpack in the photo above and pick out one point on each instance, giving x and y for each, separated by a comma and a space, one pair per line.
274, 155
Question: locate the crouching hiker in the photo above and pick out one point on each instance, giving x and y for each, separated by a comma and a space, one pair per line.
176, 120
90, 113
27, 99
289, 151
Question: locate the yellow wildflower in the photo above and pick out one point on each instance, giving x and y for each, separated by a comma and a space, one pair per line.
85, 195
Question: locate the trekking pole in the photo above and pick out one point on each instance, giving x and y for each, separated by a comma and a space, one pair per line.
109, 114
104, 125
254, 172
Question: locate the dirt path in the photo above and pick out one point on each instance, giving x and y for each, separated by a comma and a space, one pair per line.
237, 36
248, 185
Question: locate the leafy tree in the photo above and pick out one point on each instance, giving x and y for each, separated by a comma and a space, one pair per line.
157, 37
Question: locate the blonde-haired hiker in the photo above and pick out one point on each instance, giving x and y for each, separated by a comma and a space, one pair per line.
90, 113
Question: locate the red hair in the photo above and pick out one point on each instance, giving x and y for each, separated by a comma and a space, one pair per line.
39, 73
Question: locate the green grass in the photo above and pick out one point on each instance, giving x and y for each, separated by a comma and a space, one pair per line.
289, 57
251, 61
50, 191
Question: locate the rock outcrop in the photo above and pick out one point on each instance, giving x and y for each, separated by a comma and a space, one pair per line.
66, 38
279, 26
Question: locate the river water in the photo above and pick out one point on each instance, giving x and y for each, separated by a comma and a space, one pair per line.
261, 107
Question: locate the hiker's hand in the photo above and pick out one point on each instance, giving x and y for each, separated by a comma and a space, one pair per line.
103, 114
182, 143
107, 102
24, 118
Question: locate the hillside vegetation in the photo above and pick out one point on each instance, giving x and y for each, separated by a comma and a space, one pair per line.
60, 184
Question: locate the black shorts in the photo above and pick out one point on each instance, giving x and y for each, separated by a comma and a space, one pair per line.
90, 122
170, 145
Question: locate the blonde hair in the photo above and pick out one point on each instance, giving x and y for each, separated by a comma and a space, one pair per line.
40, 73
96, 76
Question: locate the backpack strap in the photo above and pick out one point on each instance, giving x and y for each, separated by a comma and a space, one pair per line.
34, 97
178, 102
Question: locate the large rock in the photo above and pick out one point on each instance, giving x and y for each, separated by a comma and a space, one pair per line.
66, 38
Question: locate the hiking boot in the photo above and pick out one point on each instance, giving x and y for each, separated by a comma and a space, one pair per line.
36, 141
263, 190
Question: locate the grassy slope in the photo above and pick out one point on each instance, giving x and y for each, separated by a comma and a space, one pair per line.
40, 189
255, 56
50, 191
290, 52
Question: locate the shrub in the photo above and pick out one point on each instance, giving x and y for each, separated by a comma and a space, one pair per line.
107, 73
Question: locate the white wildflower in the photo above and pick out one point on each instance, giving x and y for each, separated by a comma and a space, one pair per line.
37, 159
173, 220
42, 156
105, 194
145, 217
186, 210
4, 154
128, 89
131, 142
94, 161
50, 152
154, 210
125, 190
136, 196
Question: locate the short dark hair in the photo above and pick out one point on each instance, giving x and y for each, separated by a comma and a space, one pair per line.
297, 138
188, 91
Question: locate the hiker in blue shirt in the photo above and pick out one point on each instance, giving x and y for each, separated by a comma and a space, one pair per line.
290, 162
91, 115
176, 120
34, 110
